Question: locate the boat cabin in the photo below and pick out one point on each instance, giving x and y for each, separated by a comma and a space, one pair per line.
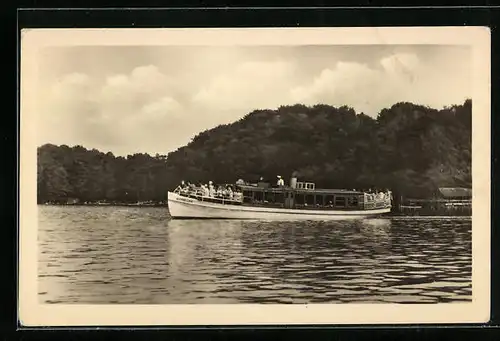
305, 198
305, 195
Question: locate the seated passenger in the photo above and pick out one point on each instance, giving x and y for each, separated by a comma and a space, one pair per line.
184, 188
238, 196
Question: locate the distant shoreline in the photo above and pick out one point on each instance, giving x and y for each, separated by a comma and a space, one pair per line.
159, 204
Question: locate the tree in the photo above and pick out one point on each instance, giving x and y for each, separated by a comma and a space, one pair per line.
411, 149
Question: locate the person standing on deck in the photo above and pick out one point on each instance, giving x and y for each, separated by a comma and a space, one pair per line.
281, 183
211, 189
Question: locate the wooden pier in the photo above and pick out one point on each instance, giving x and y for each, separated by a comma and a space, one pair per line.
446, 202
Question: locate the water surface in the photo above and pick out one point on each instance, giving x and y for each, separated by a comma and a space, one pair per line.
138, 255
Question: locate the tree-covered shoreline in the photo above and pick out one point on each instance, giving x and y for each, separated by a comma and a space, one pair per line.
411, 149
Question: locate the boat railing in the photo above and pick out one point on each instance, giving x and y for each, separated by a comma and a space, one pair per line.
368, 202
199, 194
375, 204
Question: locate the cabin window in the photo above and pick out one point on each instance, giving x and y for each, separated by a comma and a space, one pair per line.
247, 196
269, 196
319, 200
300, 185
299, 199
310, 200
329, 200
258, 196
353, 201
308, 185
340, 201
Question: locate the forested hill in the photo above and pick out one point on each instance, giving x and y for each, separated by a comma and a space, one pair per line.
410, 149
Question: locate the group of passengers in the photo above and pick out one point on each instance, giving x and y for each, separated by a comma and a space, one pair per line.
378, 196
211, 191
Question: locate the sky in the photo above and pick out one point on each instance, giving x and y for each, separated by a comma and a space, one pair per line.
155, 99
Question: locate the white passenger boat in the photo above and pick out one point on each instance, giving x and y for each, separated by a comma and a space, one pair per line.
298, 201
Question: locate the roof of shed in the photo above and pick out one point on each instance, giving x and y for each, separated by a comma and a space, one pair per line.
449, 192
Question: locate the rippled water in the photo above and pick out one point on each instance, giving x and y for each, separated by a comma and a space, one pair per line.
137, 255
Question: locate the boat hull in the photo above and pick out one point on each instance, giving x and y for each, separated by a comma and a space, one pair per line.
188, 208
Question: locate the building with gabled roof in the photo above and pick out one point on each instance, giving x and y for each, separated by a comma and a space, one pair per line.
455, 193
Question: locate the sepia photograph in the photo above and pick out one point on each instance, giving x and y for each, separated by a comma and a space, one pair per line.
254, 176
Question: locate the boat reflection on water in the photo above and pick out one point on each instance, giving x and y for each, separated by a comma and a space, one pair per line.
376, 230
269, 261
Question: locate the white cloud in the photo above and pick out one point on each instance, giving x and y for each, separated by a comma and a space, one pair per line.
401, 77
108, 114
143, 84
249, 85
144, 110
346, 84
164, 107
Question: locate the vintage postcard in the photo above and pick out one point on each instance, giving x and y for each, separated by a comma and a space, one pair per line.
254, 176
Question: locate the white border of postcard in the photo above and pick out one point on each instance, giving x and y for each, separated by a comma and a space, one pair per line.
34, 313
